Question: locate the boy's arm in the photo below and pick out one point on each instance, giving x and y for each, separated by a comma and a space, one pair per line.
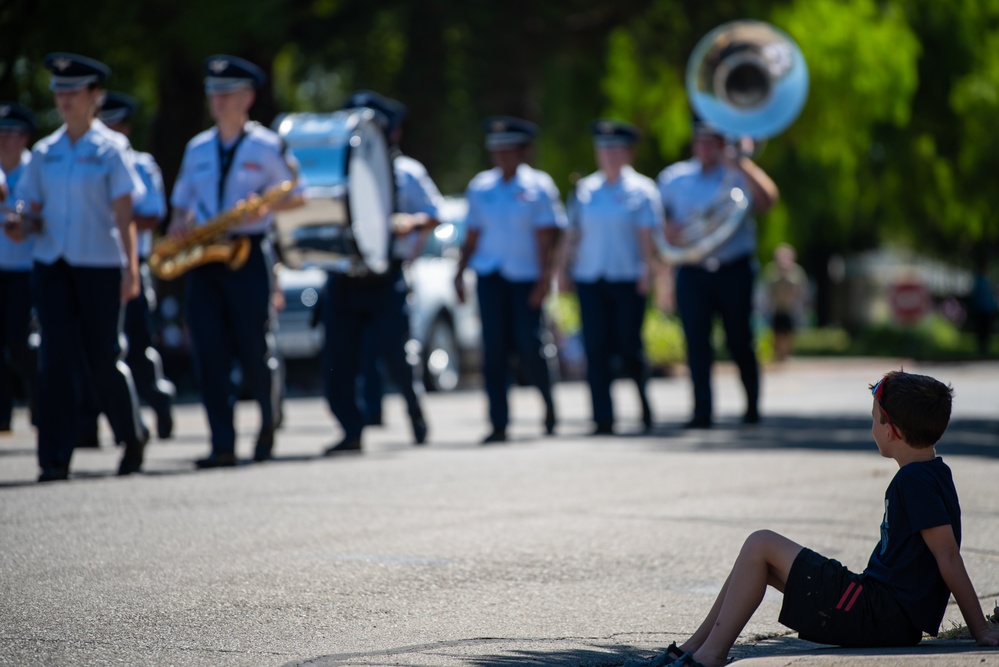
943, 546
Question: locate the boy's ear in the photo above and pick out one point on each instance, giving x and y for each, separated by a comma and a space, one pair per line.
894, 433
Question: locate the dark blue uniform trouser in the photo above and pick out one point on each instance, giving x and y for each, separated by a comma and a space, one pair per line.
510, 325
77, 304
15, 327
700, 294
612, 314
142, 359
357, 312
228, 315
372, 387
380, 353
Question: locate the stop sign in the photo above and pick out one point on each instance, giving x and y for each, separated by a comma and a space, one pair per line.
910, 301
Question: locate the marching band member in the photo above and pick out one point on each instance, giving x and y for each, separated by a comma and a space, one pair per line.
17, 122
367, 319
82, 182
514, 219
228, 312
142, 358
722, 283
612, 218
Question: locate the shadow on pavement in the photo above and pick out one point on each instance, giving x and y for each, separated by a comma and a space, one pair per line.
964, 437
593, 656
615, 656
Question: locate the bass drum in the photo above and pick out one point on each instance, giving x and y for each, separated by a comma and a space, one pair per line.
346, 168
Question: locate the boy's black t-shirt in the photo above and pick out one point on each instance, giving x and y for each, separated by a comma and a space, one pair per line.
921, 496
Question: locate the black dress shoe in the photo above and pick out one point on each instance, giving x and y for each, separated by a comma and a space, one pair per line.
698, 423
55, 474
604, 428
498, 435
346, 446
223, 460
131, 460
752, 417
419, 430
373, 420
550, 419
164, 425
265, 445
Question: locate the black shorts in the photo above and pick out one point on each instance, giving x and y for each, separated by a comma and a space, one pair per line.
828, 604
782, 322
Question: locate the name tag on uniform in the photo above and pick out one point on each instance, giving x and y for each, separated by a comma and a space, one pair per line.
252, 166
526, 195
88, 159
53, 158
204, 166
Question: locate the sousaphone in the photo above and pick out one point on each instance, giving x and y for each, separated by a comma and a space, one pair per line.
745, 78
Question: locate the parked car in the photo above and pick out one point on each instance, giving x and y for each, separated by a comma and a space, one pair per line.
447, 333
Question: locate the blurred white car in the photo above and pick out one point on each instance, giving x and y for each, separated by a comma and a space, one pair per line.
448, 333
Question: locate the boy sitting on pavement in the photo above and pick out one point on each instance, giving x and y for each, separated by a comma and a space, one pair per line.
913, 571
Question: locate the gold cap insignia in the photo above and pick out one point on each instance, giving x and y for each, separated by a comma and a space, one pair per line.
61, 63
218, 66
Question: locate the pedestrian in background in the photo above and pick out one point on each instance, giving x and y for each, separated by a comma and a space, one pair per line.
613, 216
982, 306
514, 220
787, 288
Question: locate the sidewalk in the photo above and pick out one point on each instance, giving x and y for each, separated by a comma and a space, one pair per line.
570, 550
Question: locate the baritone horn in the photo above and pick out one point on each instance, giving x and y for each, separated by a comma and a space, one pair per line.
744, 78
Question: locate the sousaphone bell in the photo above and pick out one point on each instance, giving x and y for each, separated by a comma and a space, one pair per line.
744, 78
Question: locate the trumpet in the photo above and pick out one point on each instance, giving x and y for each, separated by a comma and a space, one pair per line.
208, 243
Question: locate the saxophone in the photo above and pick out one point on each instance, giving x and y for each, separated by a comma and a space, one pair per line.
203, 244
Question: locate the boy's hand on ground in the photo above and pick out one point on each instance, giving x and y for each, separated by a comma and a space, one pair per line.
988, 638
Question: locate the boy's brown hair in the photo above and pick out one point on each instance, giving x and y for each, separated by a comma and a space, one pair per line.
917, 405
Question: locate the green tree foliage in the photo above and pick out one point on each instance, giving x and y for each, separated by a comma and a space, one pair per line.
832, 169
954, 146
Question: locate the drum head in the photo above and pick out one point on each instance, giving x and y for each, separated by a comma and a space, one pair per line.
370, 192
346, 170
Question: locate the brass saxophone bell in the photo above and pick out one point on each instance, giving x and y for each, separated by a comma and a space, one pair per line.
210, 242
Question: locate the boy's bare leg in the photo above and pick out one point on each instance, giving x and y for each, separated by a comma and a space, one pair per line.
704, 629
765, 559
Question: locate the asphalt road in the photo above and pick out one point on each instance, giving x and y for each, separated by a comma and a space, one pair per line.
567, 550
